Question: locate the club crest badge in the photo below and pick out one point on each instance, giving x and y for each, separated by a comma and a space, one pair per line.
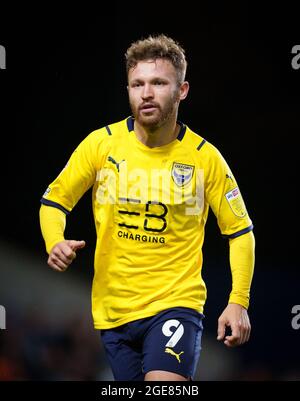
182, 173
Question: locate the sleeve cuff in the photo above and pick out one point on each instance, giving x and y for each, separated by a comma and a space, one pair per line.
238, 233
48, 202
237, 299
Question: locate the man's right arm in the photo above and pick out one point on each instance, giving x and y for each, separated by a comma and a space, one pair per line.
61, 252
78, 175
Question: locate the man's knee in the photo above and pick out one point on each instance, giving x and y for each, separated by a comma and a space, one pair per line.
162, 375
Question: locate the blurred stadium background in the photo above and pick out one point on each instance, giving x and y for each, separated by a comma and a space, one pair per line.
64, 80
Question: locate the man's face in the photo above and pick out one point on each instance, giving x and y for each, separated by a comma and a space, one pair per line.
153, 92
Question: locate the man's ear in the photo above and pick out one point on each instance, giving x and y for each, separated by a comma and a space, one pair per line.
184, 90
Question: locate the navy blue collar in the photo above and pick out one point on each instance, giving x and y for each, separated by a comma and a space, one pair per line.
130, 123
130, 126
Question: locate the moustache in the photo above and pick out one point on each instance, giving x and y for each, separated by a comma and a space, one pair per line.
148, 105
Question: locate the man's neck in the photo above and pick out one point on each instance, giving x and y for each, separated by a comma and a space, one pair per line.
163, 135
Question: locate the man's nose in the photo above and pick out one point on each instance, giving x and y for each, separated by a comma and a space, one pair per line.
147, 92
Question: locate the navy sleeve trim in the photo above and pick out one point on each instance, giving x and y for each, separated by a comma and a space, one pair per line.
201, 144
108, 130
48, 202
238, 233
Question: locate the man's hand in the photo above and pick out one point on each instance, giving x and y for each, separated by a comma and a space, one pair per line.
236, 317
63, 253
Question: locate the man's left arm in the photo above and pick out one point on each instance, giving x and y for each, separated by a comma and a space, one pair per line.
235, 315
225, 199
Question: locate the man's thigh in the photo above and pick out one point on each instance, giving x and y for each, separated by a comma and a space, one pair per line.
173, 342
125, 358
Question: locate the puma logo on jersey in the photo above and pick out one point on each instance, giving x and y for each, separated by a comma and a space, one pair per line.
177, 356
112, 160
229, 176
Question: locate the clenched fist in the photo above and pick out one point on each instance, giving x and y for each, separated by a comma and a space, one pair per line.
63, 253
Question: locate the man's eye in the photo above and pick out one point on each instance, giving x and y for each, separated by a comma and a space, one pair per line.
136, 85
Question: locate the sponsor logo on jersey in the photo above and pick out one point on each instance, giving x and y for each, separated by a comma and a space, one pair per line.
236, 203
182, 173
141, 238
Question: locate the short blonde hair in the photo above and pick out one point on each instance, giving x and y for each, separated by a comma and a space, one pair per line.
155, 47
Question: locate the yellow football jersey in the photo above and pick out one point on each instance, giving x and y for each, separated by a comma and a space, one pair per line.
150, 207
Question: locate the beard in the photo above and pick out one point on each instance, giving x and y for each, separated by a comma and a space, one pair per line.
156, 119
